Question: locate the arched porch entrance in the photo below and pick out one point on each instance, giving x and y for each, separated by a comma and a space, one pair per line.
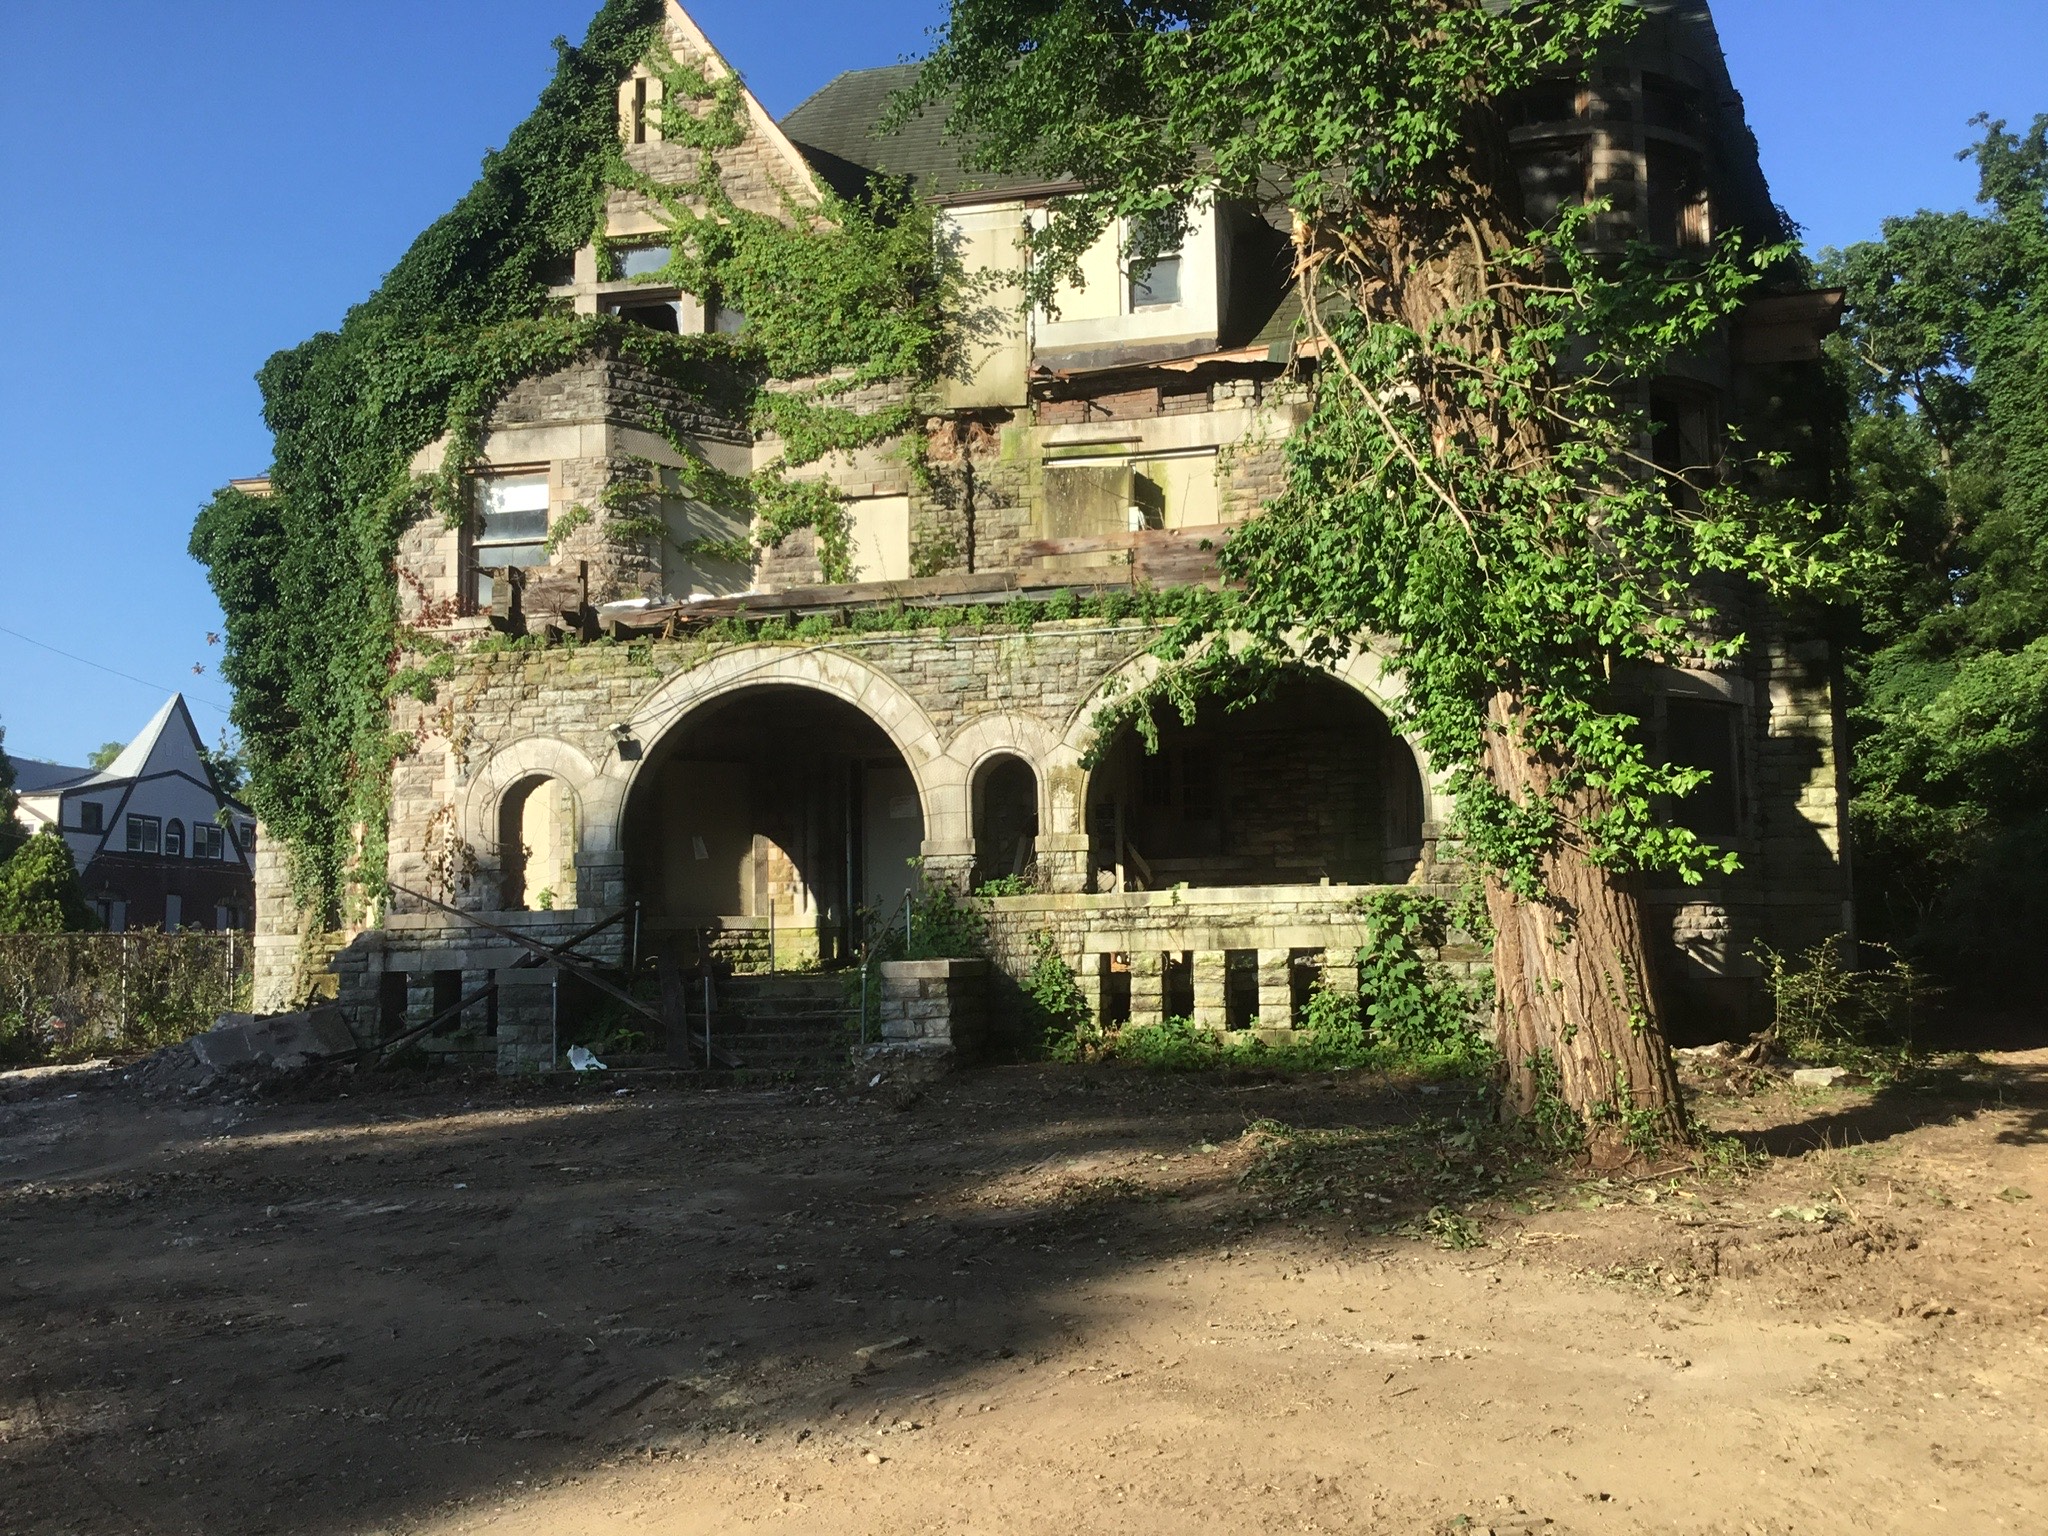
773, 809
1305, 784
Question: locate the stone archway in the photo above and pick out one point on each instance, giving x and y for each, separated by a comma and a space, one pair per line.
1308, 786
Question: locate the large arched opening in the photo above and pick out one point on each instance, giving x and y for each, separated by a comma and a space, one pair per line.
1307, 783
775, 810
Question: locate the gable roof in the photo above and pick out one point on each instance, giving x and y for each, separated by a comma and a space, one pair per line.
170, 741
835, 129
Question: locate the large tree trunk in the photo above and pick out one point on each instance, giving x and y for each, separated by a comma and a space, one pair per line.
1576, 1013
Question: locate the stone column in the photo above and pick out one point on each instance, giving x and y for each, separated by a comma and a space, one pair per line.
1062, 859
1211, 1011
954, 870
1340, 971
1093, 974
1148, 986
1276, 988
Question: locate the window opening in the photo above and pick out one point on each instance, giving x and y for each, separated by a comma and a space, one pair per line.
145, 834
1670, 105
1701, 733
208, 842
511, 527
1240, 988
391, 1000
656, 317
1157, 286
174, 839
1553, 178
1177, 984
91, 816
1682, 442
724, 319
1679, 211
642, 260
1116, 989
637, 112
1547, 101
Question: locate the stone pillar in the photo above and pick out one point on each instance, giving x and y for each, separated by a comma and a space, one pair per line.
1062, 859
419, 998
1148, 986
1093, 974
953, 870
526, 1019
1211, 1010
1276, 988
1340, 971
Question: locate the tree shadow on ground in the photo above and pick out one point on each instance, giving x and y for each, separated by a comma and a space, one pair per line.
1942, 1096
330, 1316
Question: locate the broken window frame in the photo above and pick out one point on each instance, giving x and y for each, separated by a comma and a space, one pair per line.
509, 545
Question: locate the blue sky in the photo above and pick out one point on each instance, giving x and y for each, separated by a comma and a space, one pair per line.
193, 186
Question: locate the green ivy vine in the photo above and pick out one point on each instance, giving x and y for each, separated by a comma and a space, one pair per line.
840, 296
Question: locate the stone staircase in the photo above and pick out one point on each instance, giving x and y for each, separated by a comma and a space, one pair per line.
782, 1023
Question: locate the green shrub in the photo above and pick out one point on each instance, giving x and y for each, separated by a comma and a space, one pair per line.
39, 889
1173, 1045
1826, 1013
1067, 1029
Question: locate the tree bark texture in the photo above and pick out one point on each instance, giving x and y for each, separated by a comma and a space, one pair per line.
1577, 1012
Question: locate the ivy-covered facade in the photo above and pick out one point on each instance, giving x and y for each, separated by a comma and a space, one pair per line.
696, 525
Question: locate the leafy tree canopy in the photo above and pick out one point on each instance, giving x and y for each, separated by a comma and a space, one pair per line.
104, 754
1946, 352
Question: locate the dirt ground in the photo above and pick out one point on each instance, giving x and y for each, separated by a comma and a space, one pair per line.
1032, 1299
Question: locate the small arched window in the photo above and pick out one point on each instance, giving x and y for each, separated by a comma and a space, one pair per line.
174, 839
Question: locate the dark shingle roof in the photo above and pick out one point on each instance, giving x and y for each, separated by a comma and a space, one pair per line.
33, 776
834, 128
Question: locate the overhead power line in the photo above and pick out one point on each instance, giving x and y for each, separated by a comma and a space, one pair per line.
111, 671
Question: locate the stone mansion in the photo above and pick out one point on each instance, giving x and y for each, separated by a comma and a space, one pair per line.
776, 791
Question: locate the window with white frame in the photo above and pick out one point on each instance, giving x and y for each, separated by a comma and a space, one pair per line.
207, 841
1156, 286
145, 834
511, 527
174, 839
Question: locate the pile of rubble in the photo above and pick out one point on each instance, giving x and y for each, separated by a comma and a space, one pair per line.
241, 1047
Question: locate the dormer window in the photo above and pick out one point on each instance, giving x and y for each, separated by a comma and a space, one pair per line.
174, 839
511, 527
1157, 286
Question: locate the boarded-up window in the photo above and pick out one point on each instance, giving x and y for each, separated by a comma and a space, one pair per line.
511, 527
1087, 500
1679, 211
879, 538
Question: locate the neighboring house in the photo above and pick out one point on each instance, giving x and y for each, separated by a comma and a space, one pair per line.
722, 786
158, 844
